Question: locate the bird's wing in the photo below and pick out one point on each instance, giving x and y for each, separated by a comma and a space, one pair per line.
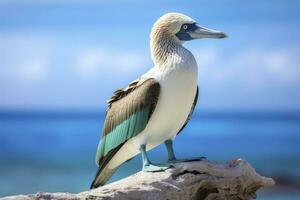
128, 113
192, 110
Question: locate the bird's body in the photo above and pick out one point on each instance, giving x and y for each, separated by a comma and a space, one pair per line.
178, 90
153, 109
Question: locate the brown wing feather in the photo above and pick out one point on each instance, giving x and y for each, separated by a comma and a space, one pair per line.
138, 96
121, 92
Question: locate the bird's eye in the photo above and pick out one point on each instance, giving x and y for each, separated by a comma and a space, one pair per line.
185, 27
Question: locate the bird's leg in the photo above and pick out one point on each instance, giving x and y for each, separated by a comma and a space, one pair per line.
171, 155
147, 165
169, 146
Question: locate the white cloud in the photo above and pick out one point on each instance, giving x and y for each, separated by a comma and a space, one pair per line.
93, 61
33, 70
34, 58
250, 67
43, 61
24, 58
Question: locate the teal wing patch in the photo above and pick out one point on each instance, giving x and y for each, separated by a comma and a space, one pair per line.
124, 131
129, 112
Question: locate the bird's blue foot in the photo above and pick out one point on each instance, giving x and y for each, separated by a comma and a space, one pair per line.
175, 160
148, 166
155, 168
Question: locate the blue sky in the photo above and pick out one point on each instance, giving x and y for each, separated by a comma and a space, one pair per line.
74, 54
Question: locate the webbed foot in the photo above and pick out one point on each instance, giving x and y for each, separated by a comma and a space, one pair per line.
155, 168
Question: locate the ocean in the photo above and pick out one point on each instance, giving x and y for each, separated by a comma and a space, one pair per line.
55, 151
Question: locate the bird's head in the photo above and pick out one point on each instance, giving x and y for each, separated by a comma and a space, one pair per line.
181, 28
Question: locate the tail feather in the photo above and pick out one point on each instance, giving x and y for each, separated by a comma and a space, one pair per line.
104, 173
102, 176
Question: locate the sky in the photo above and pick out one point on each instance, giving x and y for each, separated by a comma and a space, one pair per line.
72, 54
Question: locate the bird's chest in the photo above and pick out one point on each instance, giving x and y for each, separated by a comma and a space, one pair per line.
178, 90
178, 87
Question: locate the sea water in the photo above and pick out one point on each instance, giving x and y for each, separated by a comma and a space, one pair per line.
55, 151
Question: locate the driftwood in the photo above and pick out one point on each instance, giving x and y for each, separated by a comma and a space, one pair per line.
201, 180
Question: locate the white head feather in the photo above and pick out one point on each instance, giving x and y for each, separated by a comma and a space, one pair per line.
171, 22
163, 40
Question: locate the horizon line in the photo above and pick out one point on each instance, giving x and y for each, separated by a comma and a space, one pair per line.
204, 113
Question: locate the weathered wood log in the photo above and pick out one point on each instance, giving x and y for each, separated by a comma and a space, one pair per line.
201, 180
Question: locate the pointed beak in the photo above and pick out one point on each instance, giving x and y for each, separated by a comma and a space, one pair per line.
202, 32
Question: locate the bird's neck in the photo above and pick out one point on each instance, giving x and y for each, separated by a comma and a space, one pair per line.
165, 49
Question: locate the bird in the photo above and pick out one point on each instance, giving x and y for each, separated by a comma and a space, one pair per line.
154, 108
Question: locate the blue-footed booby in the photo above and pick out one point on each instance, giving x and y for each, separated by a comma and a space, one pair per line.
154, 108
